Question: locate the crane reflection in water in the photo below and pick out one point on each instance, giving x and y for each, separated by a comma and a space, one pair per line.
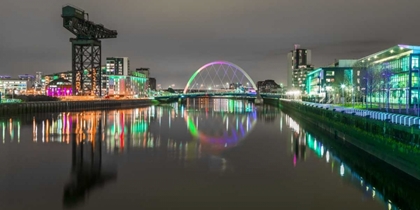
87, 172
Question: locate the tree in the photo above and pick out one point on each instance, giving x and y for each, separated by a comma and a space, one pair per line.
367, 82
387, 72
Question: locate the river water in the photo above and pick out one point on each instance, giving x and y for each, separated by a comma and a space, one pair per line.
206, 154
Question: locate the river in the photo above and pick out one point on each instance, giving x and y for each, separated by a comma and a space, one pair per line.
206, 154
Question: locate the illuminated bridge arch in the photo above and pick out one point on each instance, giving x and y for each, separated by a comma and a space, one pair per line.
218, 76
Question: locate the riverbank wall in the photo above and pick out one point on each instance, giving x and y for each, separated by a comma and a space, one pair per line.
394, 144
370, 171
8, 109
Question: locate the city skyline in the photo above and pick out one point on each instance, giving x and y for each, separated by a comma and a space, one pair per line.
174, 39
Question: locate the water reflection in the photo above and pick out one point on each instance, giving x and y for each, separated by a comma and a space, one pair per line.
204, 137
10, 130
224, 124
212, 126
86, 172
381, 187
230, 121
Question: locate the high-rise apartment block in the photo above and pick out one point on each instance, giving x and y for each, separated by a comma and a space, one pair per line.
299, 65
117, 66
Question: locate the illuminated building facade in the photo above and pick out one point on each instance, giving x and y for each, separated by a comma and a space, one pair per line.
133, 85
387, 77
59, 87
130, 85
146, 72
46, 79
117, 66
330, 83
29, 78
390, 76
12, 86
299, 65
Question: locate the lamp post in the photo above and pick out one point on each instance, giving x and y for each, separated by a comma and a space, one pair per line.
342, 92
352, 94
407, 99
418, 92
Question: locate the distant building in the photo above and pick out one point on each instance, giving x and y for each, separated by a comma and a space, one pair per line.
38, 81
299, 65
59, 87
268, 86
46, 79
10, 86
152, 83
29, 78
145, 71
117, 66
330, 83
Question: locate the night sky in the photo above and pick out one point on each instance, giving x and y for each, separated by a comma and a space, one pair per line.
176, 37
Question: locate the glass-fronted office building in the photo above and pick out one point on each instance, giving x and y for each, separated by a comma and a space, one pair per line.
390, 75
329, 84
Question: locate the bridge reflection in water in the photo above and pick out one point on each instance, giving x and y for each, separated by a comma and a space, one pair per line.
373, 178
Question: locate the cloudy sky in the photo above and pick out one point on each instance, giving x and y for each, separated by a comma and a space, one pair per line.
176, 37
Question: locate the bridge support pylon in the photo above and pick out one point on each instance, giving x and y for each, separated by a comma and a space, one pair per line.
259, 100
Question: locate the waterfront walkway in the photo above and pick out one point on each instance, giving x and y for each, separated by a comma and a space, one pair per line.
395, 118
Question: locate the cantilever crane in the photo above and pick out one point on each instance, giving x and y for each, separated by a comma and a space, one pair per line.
86, 50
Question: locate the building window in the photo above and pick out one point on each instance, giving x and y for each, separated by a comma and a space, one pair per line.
404, 64
329, 73
415, 63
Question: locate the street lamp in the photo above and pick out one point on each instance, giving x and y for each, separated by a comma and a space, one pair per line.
352, 95
342, 91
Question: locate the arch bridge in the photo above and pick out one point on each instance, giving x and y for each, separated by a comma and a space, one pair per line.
218, 79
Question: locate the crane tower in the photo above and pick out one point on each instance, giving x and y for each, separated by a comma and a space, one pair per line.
86, 50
